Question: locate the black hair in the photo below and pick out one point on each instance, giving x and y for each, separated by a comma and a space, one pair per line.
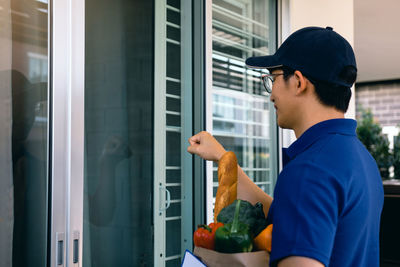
287, 72
333, 95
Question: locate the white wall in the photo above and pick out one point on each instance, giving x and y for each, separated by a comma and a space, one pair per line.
338, 14
377, 39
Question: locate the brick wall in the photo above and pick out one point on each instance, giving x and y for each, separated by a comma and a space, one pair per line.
383, 99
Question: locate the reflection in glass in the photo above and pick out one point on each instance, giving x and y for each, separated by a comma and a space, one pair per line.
118, 186
241, 110
23, 143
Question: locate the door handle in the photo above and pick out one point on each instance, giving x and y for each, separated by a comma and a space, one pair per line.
59, 249
168, 201
75, 247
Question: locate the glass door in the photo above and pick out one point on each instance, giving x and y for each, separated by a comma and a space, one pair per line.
137, 207
118, 201
108, 182
24, 134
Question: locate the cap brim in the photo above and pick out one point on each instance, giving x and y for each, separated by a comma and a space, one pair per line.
264, 62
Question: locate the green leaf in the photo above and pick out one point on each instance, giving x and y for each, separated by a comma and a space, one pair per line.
251, 215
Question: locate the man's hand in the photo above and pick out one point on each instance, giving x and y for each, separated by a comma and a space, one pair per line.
206, 146
114, 151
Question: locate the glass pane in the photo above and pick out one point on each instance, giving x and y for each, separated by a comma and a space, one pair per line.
173, 17
173, 104
23, 134
173, 60
173, 176
174, 3
119, 63
241, 109
173, 153
173, 33
174, 210
173, 263
173, 88
173, 237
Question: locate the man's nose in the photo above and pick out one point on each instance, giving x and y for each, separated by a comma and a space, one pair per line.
271, 98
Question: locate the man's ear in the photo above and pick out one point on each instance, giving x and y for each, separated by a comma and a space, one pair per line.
301, 82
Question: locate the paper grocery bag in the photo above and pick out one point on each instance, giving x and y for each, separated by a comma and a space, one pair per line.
213, 258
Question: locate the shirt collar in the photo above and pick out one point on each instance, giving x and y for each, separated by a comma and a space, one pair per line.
312, 134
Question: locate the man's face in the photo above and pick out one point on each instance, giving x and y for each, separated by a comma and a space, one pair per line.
283, 98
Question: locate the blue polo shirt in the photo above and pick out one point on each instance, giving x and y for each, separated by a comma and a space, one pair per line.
328, 199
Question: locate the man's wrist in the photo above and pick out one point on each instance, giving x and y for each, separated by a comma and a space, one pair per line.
220, 155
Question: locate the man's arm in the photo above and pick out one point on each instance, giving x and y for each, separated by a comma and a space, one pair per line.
247, 190
103, 202
296, 261
207, 147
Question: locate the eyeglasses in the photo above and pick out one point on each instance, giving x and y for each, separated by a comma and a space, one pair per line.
268, 80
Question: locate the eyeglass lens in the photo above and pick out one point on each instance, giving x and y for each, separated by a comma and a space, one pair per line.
267, 81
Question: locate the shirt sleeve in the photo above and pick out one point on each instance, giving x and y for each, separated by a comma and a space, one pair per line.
305, 215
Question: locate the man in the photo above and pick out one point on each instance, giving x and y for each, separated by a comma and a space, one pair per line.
328, 197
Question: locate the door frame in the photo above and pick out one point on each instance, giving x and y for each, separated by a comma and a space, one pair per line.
161, 194
66, 112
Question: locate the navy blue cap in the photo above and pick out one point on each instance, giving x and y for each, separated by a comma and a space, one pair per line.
319, 53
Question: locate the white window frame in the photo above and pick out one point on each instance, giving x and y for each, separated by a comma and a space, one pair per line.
161, 199
67, 83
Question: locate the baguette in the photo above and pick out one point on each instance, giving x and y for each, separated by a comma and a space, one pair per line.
227, 182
